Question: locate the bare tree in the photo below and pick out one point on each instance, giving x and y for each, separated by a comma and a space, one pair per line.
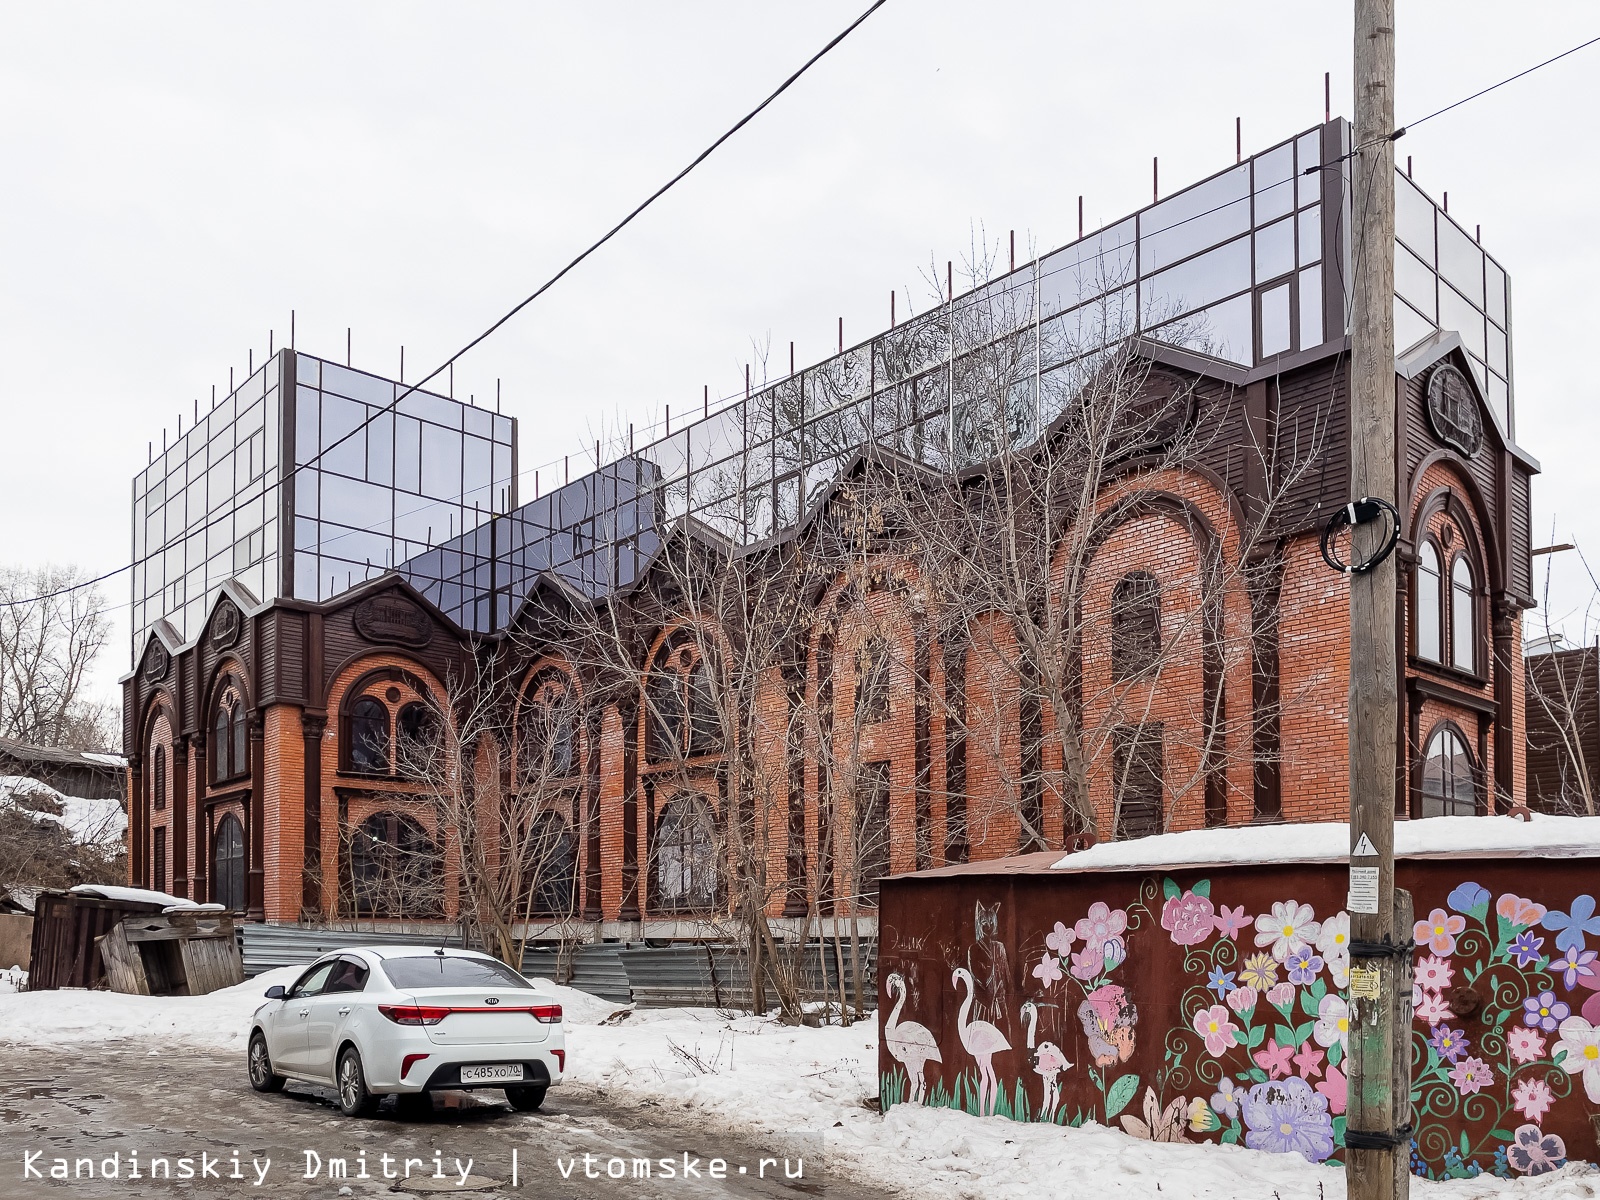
43, 844
47, 646
1053, 434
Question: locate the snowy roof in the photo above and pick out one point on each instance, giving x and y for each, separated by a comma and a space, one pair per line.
108, 891
88, 819
1323, 841
1329, 841
61, 756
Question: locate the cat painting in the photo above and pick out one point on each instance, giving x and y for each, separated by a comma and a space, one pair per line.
990, 966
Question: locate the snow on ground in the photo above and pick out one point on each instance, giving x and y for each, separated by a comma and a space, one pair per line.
751, 1076
71, 1016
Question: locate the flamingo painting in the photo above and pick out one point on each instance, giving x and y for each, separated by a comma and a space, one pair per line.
982, 1040
911, 1045
1048, 1063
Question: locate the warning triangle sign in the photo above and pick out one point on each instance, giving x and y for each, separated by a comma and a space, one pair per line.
1364, 848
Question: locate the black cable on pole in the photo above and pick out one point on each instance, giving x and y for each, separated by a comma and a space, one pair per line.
537, 292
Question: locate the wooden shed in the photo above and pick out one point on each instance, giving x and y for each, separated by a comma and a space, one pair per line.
68, 928
185, 953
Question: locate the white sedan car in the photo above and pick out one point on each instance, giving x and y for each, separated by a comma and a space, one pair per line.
405, 1020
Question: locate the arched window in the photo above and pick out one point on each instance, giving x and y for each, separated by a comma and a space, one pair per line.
548, 734
1463, 626
687, 874
1449, 787
417, 737
230, 743
1135, 624
872, 681
705, 721
1429, 604
1137, 779
394, 868
369, 735
552, 866
681, 711
871, 830
664, 713
158, 778
227, 879
239, 739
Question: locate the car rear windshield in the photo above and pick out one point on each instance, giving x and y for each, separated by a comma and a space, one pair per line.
443, 970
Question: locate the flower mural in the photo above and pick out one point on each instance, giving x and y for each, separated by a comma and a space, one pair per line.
1578, 1052
1288, 1118
1532, 1152
1251, 1045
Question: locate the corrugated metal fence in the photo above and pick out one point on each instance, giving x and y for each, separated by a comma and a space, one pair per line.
686, 974
269, 946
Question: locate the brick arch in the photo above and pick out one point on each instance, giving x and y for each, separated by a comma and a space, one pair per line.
889, 583
543, 669
668, 641
230, 668
158, 725
1132, 530
345, 799
1442, 486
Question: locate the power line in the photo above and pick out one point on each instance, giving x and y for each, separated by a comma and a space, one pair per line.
534, 295
1492, 86
656, 195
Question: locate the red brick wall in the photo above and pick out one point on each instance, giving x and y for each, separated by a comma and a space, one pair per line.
1312, 623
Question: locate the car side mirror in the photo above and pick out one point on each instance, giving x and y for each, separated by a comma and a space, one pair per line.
276, 992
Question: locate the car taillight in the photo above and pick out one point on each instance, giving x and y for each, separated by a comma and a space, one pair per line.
550, 1014
561, 1061
413, 1014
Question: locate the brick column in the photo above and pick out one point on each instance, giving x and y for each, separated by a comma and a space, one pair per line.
183, 799
255, 827
138, 822
312, 726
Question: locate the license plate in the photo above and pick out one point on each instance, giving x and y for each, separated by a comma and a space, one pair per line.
497, 1073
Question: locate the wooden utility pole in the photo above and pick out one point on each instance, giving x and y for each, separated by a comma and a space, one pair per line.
1378, 1116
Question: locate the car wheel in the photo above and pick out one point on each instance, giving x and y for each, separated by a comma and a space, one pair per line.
413, 1106
526, 1099
262, 1076
354, 1099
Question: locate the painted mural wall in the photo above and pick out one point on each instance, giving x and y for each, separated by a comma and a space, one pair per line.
1213, 1006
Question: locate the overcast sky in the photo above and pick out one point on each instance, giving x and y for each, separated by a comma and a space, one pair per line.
177, 178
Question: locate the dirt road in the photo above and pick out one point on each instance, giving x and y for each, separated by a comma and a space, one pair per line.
108, 1115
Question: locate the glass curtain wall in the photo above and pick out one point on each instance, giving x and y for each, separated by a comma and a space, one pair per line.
371, 488
392, 480
1244, 268
1443, 279
207, 509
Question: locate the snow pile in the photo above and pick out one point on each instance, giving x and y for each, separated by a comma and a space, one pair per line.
97, 821
69, 1016
577, 1008
1329, 841
13, 979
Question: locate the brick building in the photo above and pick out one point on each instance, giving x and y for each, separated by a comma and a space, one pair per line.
329, 563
